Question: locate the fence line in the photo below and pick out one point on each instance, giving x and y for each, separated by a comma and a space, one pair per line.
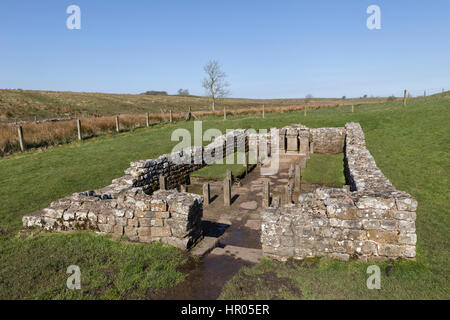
103, 127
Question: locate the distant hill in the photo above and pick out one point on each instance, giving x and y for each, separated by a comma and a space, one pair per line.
28, 104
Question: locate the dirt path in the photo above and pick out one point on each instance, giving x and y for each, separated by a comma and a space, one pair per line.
237, 229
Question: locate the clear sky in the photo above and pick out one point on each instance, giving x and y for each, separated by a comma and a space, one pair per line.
269, 49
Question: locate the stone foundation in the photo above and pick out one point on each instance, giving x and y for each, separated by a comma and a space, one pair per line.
167, 216
369, 219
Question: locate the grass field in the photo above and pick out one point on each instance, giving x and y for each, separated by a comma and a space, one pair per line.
410, 145
28, 104
97, 113
325, 169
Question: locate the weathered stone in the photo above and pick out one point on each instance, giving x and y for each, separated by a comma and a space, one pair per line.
158, 205
144, 232
342, 212
405, 215
408, 238
161, 232
390, 250
381, 236
406, 204
105, 228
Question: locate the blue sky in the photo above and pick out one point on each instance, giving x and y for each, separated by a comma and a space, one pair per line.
269, 49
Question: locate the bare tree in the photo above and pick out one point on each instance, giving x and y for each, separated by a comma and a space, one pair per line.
215, 83
308, 98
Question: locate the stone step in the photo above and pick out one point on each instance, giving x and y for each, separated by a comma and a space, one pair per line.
205, 246
247, 254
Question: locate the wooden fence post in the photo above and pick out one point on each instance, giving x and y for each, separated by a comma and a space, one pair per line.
117, 124
353, 108
206, 194
404, 98
21, 142
263, 115
424, 93
80, 137
306, 106
147, 119
443, 92
170, 116
224, 113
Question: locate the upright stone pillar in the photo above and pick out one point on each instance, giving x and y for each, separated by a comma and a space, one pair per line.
282, 141
292, 140
288, 194
245, 163
226, 192
230, 175
162, 182
206, 194
266, 194
304, 141
298, 177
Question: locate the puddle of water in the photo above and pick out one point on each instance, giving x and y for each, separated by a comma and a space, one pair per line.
206, 280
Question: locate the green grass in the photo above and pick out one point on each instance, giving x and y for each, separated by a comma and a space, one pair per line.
35, 268
325, 169
410, 146
218, 170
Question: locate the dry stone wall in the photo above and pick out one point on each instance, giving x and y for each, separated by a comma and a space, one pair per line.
177, 166
328, 140
131, 206
167, 216
374, 222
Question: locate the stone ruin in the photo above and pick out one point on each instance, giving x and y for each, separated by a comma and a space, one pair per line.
368, 219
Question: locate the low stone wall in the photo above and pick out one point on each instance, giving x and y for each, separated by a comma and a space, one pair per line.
126, 208
177, 166
327, 140
375, 222
167, 216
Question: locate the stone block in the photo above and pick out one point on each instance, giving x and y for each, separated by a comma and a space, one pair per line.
405, 215
105, 228
340, 211
145, 222
408, 238
390, 250
161, 232
144, 232
375, 203
158, 205
406, 204
381, 236
162, 215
